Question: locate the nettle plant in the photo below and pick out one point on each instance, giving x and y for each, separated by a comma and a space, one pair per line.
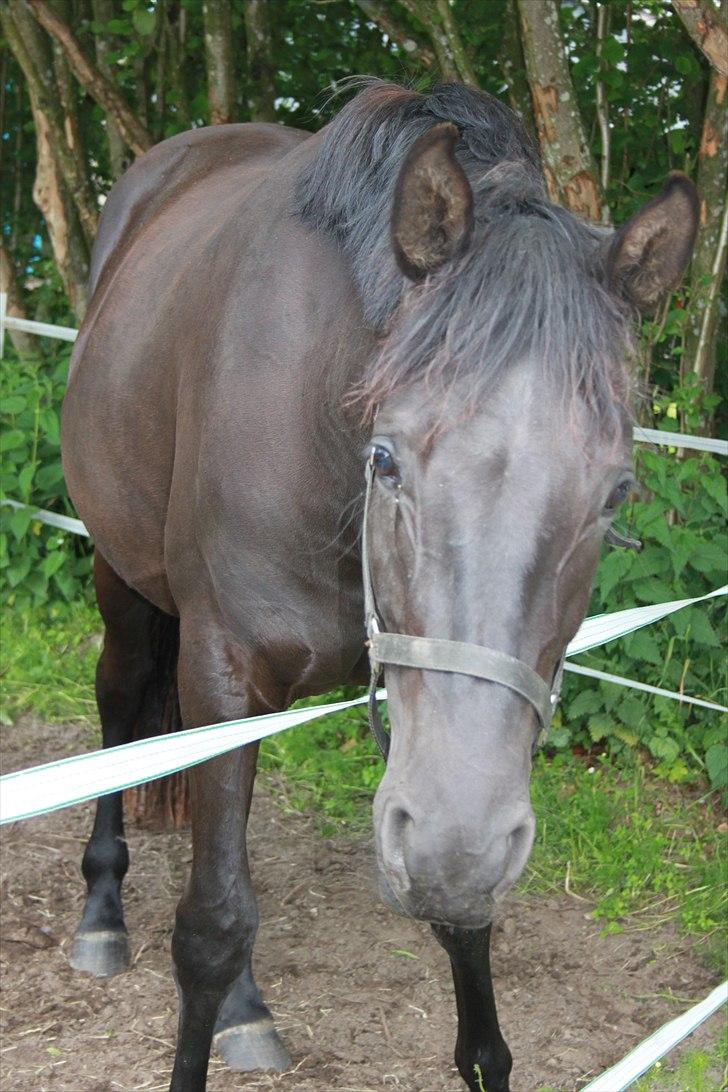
680, 518
38, 564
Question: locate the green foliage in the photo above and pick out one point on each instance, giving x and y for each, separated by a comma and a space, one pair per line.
37, 563
680, 518
48, 663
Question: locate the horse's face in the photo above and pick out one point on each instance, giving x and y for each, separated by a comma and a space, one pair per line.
486, 527
489, 534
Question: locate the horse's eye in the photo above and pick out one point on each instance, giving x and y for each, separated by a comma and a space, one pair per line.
383, 462
619, 495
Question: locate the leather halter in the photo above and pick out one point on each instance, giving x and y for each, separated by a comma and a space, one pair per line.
436, 654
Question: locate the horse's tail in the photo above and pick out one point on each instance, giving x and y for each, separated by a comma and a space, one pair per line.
164, 803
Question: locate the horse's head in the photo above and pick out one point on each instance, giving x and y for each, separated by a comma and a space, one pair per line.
494, 483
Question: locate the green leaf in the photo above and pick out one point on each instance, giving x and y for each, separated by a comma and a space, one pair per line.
25, 479
709, 557
664, 748
643, 645
51, 425
716, 762
12, 439
13, 404
587, 701
600, 726
49, 475
144, 21
613, 51
53, 562
631, 711
18, 570
20, 522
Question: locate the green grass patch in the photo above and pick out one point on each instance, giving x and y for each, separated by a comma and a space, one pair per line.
643, 850
48, 661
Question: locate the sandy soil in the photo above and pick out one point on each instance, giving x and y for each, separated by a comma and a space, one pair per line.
362, 998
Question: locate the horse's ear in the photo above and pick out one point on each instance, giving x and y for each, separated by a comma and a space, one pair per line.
648, 255
432, 215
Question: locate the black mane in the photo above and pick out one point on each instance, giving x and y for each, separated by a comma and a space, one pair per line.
530, 284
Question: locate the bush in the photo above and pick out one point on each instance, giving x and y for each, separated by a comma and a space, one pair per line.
680, 520
38, 564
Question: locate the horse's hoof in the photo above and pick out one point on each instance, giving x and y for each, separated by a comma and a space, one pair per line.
102, 953
252, 1046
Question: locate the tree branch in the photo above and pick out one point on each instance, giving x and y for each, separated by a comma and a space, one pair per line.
262, 92
380, 12
91, 79
455, 44
570, 171
711, 247
602, 106
707, 30
428, 18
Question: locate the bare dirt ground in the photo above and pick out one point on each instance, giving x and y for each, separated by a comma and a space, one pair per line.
362, 998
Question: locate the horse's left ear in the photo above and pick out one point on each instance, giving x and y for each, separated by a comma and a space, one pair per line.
648, 255
432, 216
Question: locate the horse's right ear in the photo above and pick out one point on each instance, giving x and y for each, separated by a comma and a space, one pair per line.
432, 217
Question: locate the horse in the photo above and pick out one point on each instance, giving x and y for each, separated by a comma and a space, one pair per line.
282, 324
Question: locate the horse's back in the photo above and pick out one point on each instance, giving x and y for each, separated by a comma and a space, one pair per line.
173, 166
169, 243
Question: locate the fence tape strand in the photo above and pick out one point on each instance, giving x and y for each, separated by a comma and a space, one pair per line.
639, 1060
72, 780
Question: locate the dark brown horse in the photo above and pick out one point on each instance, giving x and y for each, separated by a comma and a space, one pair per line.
268, 308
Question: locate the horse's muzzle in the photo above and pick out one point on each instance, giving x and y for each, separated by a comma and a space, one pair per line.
439, 870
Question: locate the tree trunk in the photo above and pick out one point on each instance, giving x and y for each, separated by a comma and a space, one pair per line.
709, 258
69, 247
218, 57
91, 79
59, 200
570, 172
118, 159
513, 67
261, 85
706, 25
32, 51
24, 343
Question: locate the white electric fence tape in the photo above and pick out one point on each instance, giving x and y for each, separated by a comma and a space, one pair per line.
53, 519
605, 676
72, 780
83, 777
643, 1057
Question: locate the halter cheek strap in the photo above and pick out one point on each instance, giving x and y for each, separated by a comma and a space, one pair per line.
436, 654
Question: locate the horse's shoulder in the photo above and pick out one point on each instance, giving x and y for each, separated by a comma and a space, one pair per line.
171, 167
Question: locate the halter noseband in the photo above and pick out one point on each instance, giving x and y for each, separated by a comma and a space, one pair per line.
436, 654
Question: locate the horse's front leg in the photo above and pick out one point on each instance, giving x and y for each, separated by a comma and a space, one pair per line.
481, 1054
217, 916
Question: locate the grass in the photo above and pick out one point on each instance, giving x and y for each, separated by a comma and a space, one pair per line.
644, 851
47, 663
690, 1070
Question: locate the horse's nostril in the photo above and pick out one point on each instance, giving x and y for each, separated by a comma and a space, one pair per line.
518, 848
397, 821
